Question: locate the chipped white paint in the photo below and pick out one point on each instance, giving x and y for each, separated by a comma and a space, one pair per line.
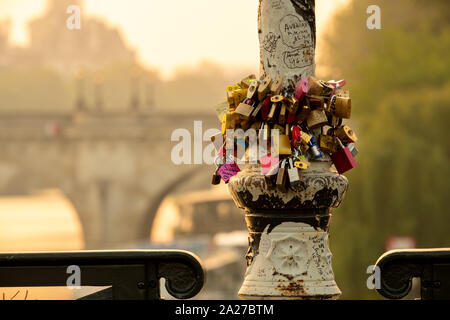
320, 175
286, 38
294, 261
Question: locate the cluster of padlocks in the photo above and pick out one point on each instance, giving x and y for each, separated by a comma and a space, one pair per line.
299, 115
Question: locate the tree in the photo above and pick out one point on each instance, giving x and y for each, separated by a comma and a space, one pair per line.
399, 78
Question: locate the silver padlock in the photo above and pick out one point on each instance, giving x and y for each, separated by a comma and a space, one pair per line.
294, 174
353, 150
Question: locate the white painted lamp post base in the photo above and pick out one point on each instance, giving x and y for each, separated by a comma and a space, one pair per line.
294, 262
289, 256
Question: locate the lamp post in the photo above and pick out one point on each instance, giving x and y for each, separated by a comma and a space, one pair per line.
288, 255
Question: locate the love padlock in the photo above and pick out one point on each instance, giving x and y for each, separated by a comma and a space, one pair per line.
228, 170
268, 163
282, 117
264, 87
341, 107
327, 143
252, 89
343, 159
303, 114
296, 136
302, 89
281, 176
295, 178
283, 145
337, 85
277, 85
317, 119
247, 81
266, 107
346, 134
244, 110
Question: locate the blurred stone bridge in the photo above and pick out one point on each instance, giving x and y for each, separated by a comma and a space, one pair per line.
116, 168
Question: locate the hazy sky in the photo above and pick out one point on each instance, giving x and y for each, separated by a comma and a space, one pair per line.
169, 33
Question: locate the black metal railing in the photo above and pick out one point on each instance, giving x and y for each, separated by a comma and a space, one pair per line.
129, 275
399, 267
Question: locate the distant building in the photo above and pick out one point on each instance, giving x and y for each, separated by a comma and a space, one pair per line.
53, 44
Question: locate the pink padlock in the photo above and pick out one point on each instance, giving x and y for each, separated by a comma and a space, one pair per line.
337, 85
228, 171
302, 89
268, 162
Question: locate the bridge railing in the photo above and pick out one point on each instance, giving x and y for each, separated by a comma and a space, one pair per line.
129, 275
397, 269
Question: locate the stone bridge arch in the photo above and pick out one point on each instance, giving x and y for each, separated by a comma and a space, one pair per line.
115, 168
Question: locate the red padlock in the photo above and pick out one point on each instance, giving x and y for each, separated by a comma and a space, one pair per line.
296, 137
267, 104
291, 118
343, 159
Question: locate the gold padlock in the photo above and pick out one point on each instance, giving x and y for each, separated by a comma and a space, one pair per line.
239, 96
256, 125
302, 164
264, 87
235, 95
245, 125
328, 144
342, 93
291, 104
281, 128
304, 114
342, 108
334, 121
252, 89
276, 102
244, 111
245, 83
272, 114
346, 134
277, 85
304, 148
284, 145
316, 103
230, 97
277, 99
317, 119
306, 138
327, 89
283, 114
229, 121
315, 87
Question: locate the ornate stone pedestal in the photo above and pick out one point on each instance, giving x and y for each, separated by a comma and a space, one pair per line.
288, 255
